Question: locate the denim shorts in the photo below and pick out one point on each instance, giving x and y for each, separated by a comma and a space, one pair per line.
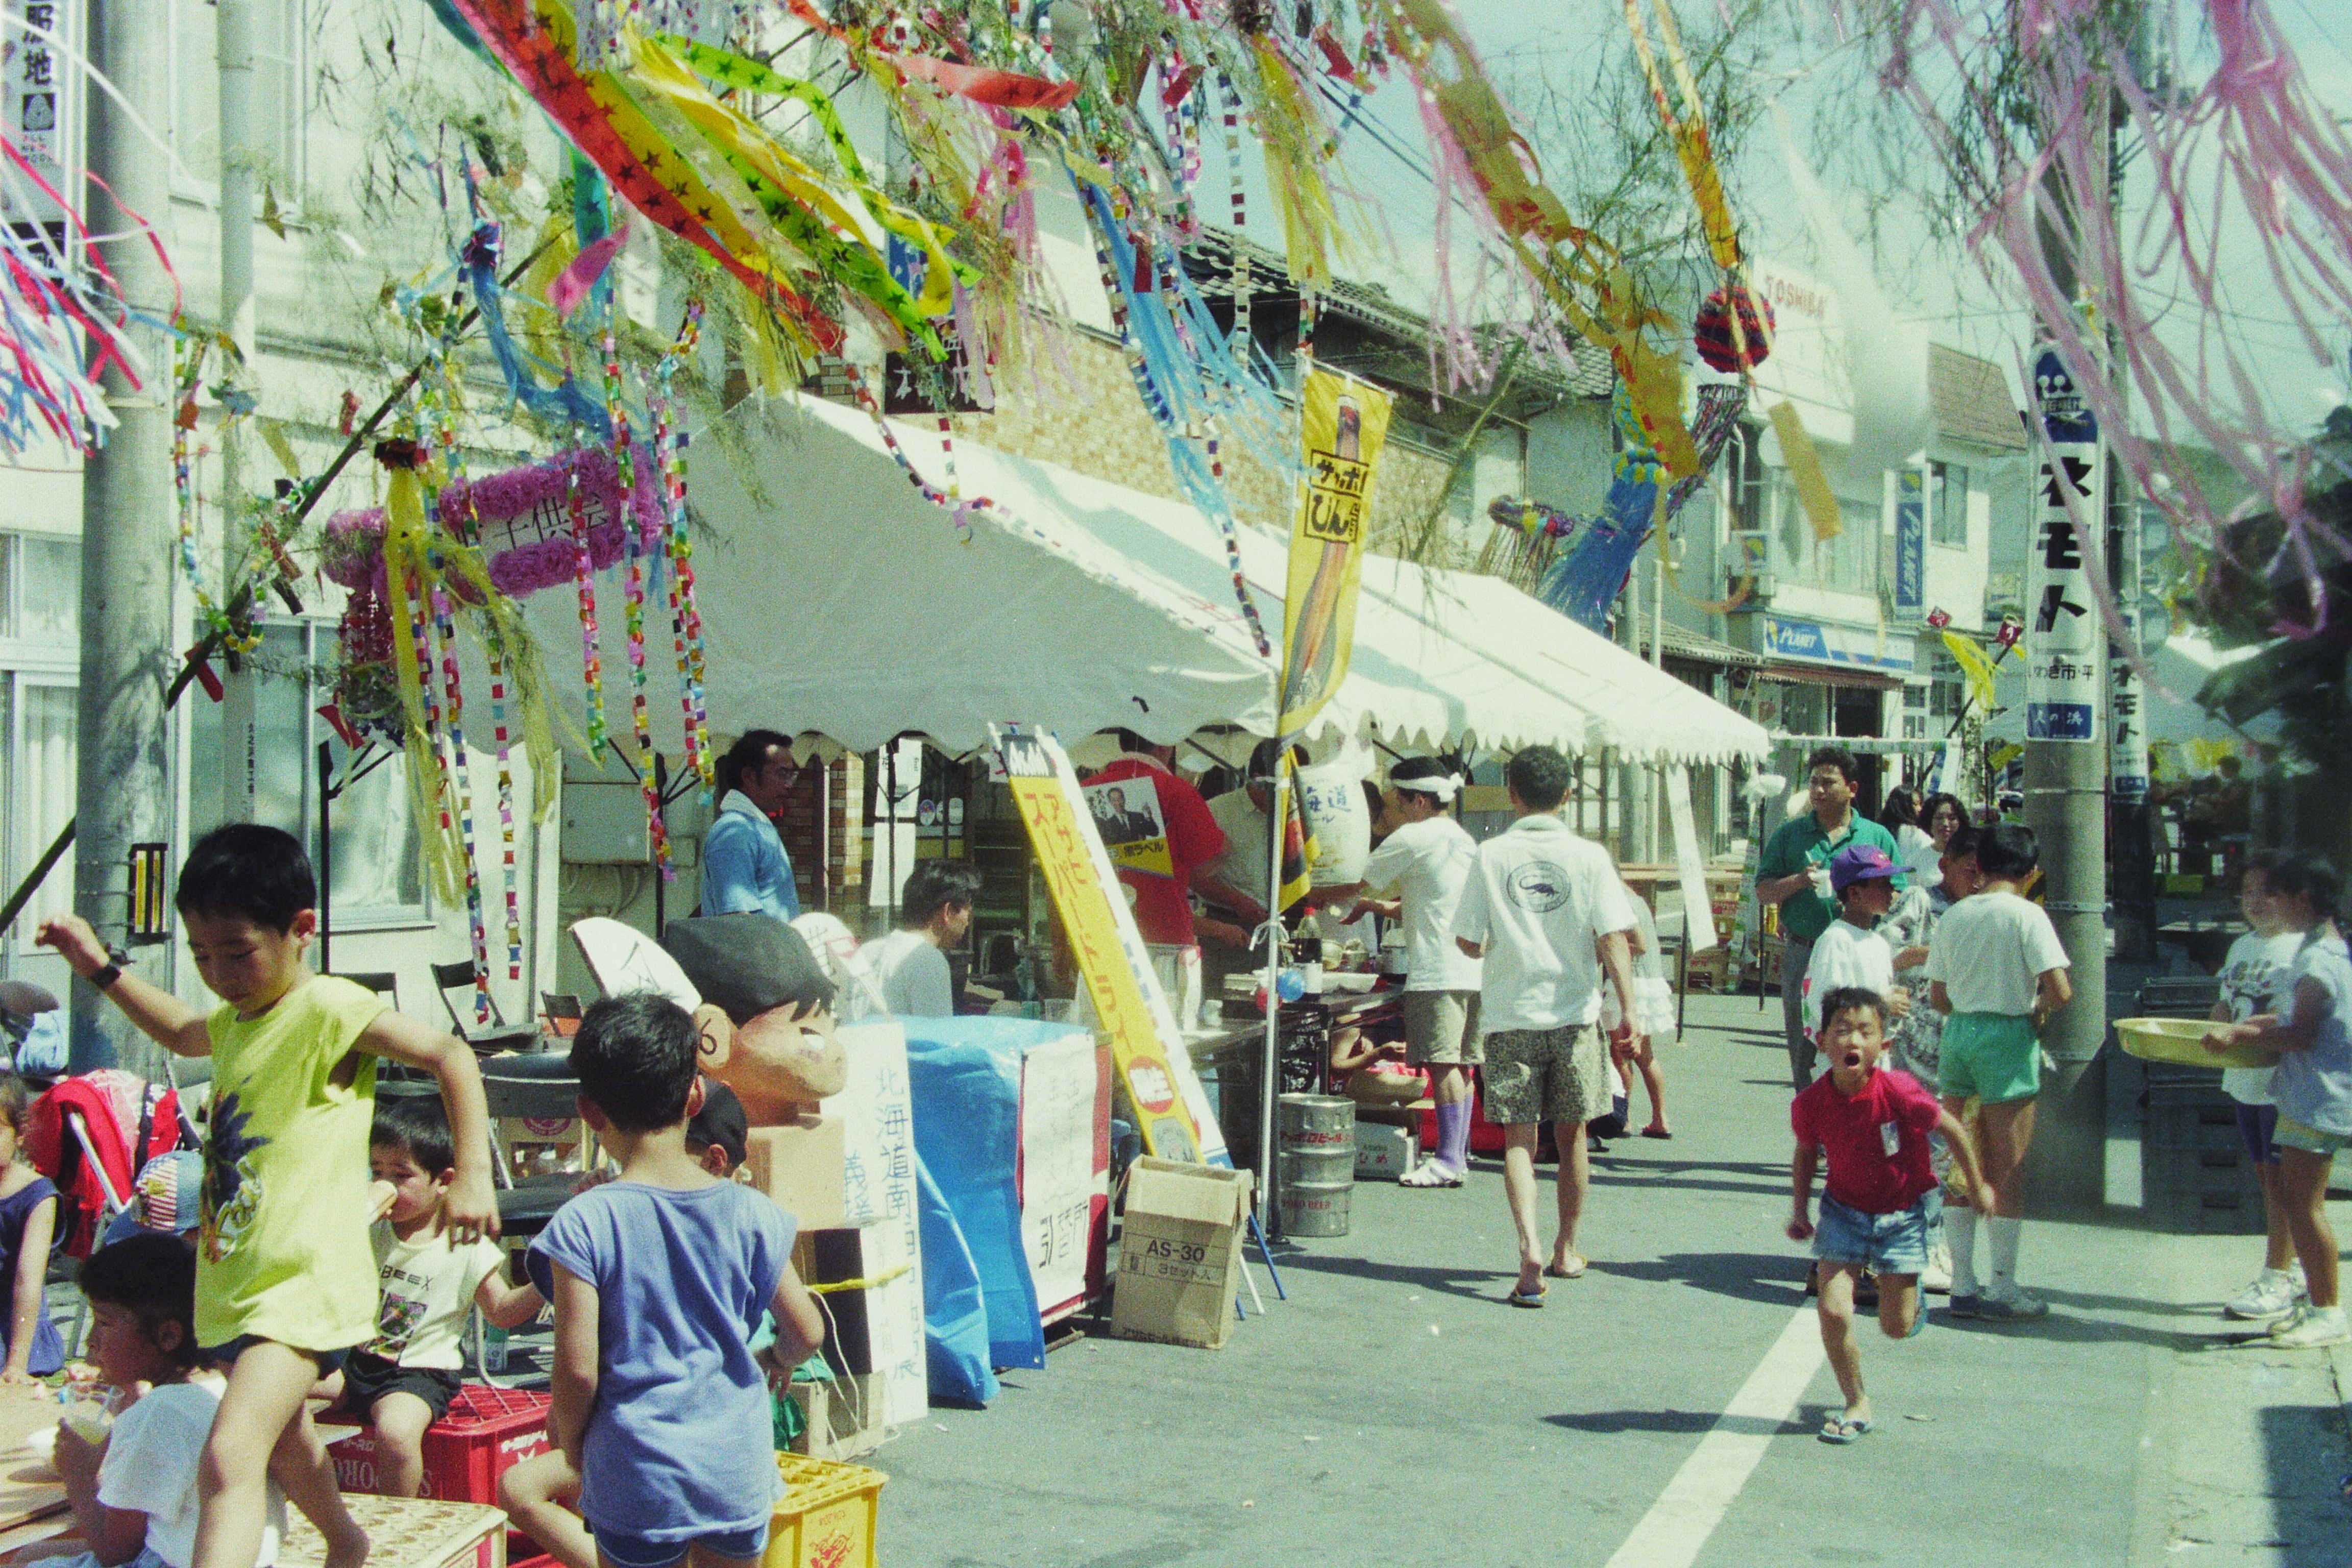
1893, 1243
636, 1552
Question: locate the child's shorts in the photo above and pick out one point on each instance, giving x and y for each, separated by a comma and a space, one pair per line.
636, 1552
2293, 1135
1893, 1243
2258, 1130
368, 1378
329, 1363
1994, 1057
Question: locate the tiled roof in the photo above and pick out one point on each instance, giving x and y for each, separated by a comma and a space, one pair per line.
1970, 399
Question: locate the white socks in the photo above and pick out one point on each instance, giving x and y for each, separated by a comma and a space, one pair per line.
1960, 1231
2004, 1239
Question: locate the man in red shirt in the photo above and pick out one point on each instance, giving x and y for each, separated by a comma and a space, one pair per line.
1872, 1122
1160, 836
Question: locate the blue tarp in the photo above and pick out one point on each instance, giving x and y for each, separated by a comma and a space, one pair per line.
965, 1075
955, 1314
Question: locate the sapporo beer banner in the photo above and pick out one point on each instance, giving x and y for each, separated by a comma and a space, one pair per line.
1131, 1010
1342, 424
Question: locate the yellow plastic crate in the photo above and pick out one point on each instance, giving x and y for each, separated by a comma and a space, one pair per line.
828, 1517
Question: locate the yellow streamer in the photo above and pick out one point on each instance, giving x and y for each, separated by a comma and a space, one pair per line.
1974, 666
1804, 464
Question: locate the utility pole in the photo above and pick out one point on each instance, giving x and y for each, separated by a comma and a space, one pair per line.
2065, 759
233, 47
123, 786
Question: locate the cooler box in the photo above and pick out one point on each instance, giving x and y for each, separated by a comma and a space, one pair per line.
1384, 1153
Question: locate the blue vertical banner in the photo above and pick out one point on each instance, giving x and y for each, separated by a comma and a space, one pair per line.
1910, 545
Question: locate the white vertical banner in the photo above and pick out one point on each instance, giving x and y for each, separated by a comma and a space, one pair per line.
1690, 868
897, 801
2064, 674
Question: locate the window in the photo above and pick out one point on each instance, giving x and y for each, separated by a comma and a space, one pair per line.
1915, 713
1947, 504
37, 780
1848, 562
373, 833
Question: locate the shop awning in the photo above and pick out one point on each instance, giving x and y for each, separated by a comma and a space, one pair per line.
836, 601
1634, 706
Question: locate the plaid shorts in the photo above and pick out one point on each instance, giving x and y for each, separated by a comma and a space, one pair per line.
1546, 1075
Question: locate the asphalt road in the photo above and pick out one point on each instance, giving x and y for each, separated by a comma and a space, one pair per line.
1661, 1411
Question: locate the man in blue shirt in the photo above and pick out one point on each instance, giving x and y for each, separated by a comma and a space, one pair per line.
744, 867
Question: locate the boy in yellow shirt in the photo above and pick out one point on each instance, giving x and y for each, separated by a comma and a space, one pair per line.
286, 1280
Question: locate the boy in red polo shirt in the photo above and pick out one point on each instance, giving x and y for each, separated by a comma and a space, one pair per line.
1882, 1202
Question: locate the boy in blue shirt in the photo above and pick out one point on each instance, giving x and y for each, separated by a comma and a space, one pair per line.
659, 1280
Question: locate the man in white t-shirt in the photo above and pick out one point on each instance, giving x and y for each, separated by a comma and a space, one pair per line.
1230, 918
1426, 861
1545, 911
909, 966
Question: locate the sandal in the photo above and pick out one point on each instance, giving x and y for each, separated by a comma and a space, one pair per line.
1428, 1173
1655, 1132
1842, 1429
1518, 1298
1574, 1271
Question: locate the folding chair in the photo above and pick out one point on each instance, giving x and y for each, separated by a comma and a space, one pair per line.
382, 982
501, 1034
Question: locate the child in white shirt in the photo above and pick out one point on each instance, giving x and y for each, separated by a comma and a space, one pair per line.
2254, 981
133, 1489
1849, 953
1997, 971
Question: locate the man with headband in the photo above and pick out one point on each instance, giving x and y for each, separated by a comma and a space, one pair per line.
1425, 861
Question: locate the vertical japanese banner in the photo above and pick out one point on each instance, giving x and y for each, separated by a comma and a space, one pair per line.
2062, 673
2127, 763
1131, 1011
1342, 425
32, 106
1690, 866
1910, 544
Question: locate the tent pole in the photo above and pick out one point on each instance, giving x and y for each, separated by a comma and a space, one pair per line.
1267, 1162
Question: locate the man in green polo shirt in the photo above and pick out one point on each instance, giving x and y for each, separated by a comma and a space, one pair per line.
1794, 873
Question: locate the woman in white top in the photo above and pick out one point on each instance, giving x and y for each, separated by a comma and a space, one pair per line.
1940, 816
1914, 851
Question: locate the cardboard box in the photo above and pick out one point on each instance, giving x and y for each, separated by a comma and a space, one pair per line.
799, 1164
1385, 1153
875, 1329
1179, 1253
841, 1419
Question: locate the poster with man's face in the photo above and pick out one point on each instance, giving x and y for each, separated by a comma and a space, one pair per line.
1126, 813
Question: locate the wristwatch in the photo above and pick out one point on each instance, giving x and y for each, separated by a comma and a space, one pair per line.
103, 979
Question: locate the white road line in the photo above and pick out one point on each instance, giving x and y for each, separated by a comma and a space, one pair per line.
1686, 1514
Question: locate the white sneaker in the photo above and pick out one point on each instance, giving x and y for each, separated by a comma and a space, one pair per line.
2294, 1316
2014, 1306
2273, 1292
2314, 1327
1936, 1280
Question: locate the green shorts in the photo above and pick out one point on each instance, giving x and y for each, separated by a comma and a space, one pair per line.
1993, 1057
2293, 1135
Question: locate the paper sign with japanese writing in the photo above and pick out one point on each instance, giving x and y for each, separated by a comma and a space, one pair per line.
1343, 424
1131, 1011
2067, 661
33, 74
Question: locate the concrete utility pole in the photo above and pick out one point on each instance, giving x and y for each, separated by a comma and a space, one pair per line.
233, 46
2065, 756
124, 783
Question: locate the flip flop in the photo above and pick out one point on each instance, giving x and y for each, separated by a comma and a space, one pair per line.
1518, 1298
1575, 1273
1655, 1132
1840, 1430
1428, 1173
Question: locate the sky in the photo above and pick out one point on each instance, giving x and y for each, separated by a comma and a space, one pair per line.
1945, 290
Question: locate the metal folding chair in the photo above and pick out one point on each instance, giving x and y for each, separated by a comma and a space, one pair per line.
501, 1036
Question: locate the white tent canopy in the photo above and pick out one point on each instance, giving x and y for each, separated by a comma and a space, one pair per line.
836, 601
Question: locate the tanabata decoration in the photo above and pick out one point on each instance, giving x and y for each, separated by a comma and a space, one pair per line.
715, 178
1734, 328
61, 324
1584, 583
2253, 171
1532, 518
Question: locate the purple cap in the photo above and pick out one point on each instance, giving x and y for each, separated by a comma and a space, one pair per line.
1859, 863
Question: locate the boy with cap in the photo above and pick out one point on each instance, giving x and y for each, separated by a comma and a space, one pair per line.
1850, 953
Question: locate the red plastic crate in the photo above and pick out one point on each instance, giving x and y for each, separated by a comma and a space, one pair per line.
486, 1432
